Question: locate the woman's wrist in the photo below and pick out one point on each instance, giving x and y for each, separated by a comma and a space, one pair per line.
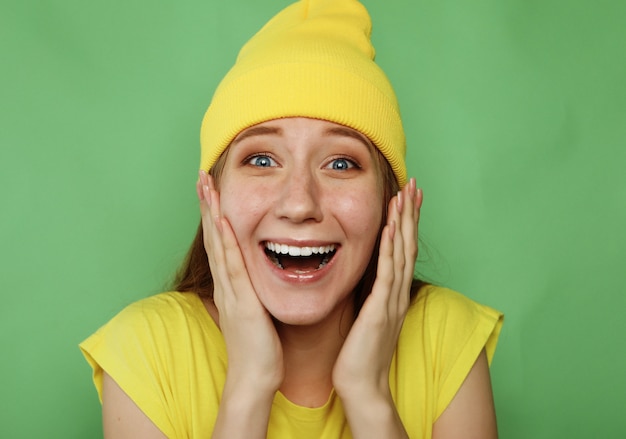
251, 392
372, 414
244, 412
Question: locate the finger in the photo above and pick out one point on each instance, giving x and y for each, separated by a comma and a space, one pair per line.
409, 223
419, 198
228, 258
209, 211
211, 224
202, 189
397, 301
238, 277
405, 245
376, 304
412, 247
199, 189
385, 270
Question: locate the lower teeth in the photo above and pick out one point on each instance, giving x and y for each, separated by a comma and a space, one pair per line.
324, 261
276, 260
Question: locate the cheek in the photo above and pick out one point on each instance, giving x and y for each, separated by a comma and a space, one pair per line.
361, 213
243, 209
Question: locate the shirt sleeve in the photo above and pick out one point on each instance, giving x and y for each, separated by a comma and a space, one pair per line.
127, 350
459, 330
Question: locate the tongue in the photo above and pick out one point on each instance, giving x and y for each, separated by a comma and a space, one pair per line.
300, 263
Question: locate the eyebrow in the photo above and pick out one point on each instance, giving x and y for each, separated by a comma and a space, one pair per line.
349, 132
256, 131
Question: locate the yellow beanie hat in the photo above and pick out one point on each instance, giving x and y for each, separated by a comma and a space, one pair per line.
313, 59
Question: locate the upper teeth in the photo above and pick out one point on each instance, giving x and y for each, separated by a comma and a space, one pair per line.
299, 251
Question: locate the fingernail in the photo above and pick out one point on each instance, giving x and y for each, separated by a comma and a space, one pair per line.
399, 201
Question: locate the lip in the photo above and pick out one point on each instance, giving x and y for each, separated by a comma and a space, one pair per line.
304, 278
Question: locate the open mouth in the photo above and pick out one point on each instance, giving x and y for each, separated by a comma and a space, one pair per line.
299, 259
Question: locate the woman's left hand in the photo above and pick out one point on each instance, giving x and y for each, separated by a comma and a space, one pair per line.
361, 373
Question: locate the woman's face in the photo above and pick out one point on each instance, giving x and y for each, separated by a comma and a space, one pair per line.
304, 198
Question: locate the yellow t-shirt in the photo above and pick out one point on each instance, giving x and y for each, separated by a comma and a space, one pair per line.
169, 356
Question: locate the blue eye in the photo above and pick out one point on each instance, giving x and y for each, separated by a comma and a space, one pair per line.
341, 164
262, 161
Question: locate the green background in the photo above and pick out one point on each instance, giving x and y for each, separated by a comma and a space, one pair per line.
515, 113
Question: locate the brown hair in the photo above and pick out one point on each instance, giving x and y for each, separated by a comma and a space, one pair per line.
194, 275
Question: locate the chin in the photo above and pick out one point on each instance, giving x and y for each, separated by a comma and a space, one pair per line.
305, 313
297, 317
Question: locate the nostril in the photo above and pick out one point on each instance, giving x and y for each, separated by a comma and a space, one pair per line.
299, 201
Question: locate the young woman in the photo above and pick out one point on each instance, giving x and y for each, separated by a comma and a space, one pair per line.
296, 313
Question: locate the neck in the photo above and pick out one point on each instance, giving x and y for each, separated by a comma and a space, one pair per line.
309, 355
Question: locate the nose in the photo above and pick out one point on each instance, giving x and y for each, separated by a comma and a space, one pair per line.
299, 197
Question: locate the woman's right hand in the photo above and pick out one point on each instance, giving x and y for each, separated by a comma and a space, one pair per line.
255, 357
